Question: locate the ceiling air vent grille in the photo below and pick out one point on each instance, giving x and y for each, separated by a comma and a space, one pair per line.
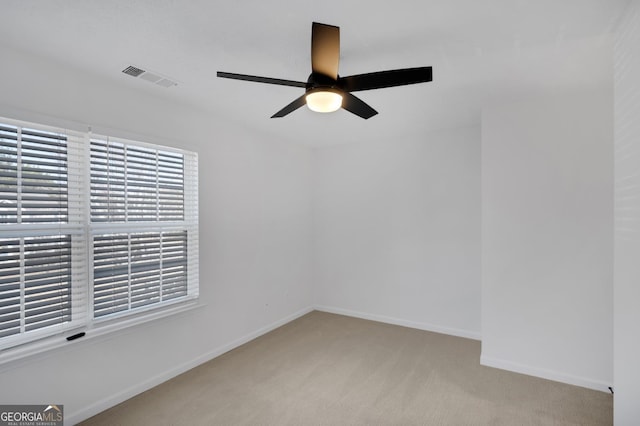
149, 76
132, 71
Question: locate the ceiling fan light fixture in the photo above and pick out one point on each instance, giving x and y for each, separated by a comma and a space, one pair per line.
325, 90
323, 100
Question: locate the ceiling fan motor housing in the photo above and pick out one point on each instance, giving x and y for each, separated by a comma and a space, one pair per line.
323, 82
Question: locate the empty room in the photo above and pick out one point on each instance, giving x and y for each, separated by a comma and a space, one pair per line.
319, 213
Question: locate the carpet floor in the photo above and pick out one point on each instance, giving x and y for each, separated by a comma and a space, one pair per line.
325, 369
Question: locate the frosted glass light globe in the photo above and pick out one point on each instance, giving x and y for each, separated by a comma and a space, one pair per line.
324, 101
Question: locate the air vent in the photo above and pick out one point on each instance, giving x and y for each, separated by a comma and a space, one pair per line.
132, 71
149, 76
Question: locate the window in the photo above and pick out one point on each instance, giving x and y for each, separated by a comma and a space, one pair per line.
142, 220
92, 228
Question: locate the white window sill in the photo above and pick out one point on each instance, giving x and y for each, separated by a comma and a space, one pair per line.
29, 352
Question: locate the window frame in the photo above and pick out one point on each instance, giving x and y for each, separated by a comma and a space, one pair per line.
83, 231
189, 224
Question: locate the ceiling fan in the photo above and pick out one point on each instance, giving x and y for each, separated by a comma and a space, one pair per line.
325, 90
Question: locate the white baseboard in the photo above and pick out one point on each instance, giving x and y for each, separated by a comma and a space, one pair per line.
545, 374
397, 321
132, 391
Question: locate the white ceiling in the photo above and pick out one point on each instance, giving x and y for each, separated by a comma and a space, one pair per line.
482, 51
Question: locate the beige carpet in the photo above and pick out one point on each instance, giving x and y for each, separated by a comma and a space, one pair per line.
325, 369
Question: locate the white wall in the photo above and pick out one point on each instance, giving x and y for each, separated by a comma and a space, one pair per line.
627, 220
255, 239
547, 239
397, 230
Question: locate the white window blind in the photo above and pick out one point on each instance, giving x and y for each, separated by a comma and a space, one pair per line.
144, 226
91, 228
135, 184
36, 160
138, 269
42, 297
42, 250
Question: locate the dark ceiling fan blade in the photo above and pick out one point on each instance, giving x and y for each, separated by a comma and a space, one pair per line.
291, 107
381, 79
325, 49
357, 106
257, 79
